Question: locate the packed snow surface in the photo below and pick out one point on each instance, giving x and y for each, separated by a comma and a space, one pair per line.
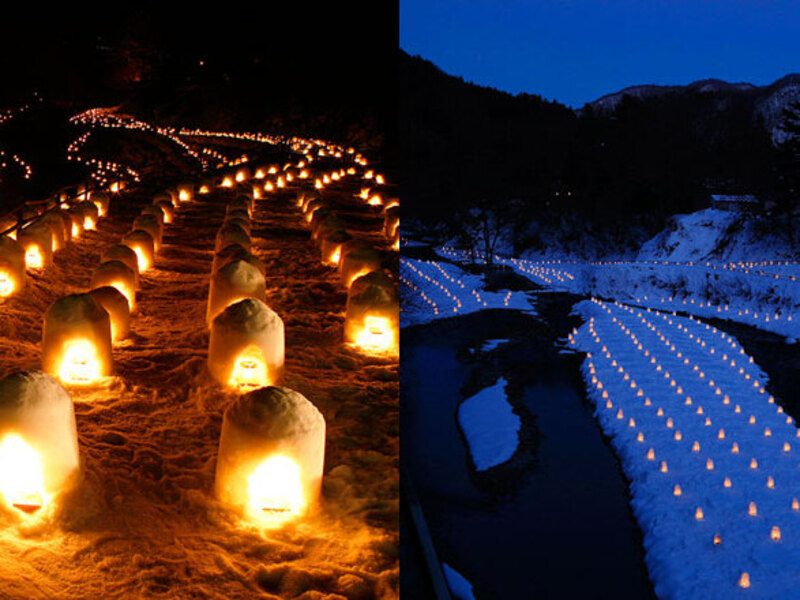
438, 289
144, 522
711, 458
763, 294
459, 586
490, 426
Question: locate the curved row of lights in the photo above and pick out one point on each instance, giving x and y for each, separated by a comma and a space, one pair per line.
674, 422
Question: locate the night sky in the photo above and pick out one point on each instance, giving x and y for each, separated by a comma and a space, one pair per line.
575, 51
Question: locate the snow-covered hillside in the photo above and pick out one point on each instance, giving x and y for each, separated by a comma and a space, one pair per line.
718, 235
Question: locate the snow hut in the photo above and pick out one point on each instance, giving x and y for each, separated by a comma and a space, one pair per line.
151, 225
271, 455
76, 340
357, 260
331, 246
142, 243
235, 281
101, 200
232, 234
246, 346
37, 240
373, 313
90, 214
38, 441
12, 266
185, 192
116, 305
119, 275
123, 254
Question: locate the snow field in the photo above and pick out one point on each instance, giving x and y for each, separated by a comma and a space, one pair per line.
712, 460
490, 426
434, 289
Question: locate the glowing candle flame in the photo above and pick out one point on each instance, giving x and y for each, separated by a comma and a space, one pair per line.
275, 487
336, 255
88, 223
141, 258
6, 284
744, 580
33, 257
183, 195
227, 182
249, 371
76, 230
125, 291
79, 364
21, 474
204, 189
376, 335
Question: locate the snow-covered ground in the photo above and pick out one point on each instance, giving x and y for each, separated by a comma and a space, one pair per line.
460, 588
437, 289
763, 294
490, 426
711, 458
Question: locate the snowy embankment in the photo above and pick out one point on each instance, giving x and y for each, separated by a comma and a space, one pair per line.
437, 289
490, 426
711, 458
764, 295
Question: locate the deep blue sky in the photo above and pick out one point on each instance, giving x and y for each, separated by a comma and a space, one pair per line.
575, 51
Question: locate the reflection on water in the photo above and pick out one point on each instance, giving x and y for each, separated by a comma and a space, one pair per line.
563, 527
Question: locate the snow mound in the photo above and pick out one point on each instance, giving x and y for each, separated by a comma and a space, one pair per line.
459, 586
490, 426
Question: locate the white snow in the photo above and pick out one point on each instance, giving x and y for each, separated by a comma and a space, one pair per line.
459, 586
489, 345
490, 426
438, 289
653, 374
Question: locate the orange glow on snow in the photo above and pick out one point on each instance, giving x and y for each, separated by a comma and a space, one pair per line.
377, 334
21, 474
80, 365
7, 285
275, 489
249, 371
33, 257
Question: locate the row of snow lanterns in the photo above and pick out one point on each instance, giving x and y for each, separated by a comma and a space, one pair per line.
272, 446
775, 532
372, 310
272, 443
80, 329
32, 247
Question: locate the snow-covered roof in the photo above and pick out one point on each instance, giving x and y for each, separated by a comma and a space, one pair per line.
734, 198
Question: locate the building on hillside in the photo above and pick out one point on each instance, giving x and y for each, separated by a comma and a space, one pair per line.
744, 203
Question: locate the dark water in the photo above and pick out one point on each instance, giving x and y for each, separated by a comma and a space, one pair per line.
554, 522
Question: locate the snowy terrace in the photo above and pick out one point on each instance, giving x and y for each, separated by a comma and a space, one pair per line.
437, 289
761, 294
711, 458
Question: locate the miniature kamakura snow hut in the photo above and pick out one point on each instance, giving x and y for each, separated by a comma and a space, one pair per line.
235, 281
372, 313
151, 225
37, 240
271, 455
246, 346
117, 307
12, 266
76, 340
143, 244
357, 260
119, 275
38, 441
232, 234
